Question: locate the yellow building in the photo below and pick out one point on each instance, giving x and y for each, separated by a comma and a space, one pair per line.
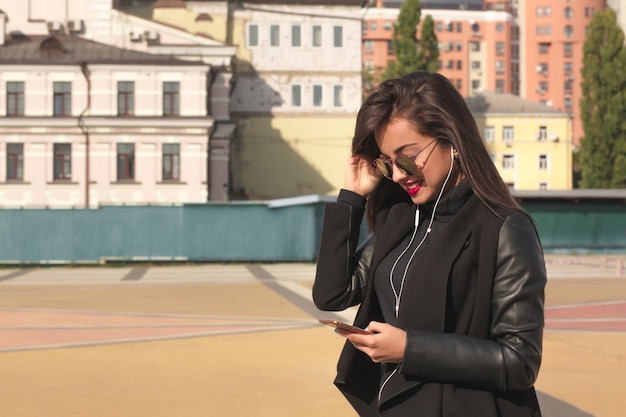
530, 143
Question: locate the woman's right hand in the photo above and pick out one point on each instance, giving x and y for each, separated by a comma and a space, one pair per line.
361, 176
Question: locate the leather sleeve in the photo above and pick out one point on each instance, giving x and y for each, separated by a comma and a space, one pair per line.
510, 359
342, 267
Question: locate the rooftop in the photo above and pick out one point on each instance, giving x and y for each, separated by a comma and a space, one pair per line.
70, 50
493, 102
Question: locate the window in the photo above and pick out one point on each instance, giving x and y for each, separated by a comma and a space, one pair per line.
475, 65
125, 161
459, 84
338, 36
543, 86
459, 27
317, 36
508, 135
15, 161
253, 35
62, 163
544, 48
568, 85
539, 30
499, 67
450, 27
450, 64
439, 27
500, 48
475, 46
15, 98
568, 103
459, 46
62, 98
568, 66
508, 161
568, 12
171, 98
296, 38
499, 27
369, 47
548, 11
499, 85
542, 135
390, 50
547, 30
569, 31
171, 161
125, 98
296, 95
338, 95
543, 186
539, 12
387, 25
475, 85
489, 134
543, 161
568, 50
274, 35
317, 95
373, 25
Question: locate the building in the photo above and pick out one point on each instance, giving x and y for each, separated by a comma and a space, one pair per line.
552, 35
106, 108
530, 143
297, 88
478, 49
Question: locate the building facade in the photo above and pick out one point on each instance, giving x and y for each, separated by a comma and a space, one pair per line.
478, 48
101, 107
529, 142
552, 46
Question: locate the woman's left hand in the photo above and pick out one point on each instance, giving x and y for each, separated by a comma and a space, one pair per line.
385, 345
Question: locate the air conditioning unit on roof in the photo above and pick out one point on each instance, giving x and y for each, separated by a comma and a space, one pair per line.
136, 36
151, 35
75, 26
55, 27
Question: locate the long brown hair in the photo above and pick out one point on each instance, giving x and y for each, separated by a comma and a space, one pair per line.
433, 105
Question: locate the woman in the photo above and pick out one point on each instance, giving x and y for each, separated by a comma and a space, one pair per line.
451, 278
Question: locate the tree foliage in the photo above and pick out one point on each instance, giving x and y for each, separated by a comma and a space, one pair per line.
412, 55
603, 104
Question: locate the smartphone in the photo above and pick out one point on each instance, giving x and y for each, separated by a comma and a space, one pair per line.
344, 326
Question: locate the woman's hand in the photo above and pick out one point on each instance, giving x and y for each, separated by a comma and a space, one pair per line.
386, 345
361, 176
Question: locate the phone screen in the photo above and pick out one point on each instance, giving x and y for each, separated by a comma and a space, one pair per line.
344, 326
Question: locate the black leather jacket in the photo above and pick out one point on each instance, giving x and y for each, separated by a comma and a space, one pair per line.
498, 349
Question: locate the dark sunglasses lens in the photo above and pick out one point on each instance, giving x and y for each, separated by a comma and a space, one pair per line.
406, 164
383, 167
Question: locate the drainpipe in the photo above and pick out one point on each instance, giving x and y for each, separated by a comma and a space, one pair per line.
85, 130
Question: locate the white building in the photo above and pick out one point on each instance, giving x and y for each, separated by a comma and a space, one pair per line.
88, 123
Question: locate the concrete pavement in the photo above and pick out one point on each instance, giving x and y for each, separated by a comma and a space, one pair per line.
243, 340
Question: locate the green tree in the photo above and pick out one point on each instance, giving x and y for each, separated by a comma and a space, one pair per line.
603, 105
428, 50
412, 55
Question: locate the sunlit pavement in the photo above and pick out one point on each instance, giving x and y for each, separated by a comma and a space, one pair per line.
243, 340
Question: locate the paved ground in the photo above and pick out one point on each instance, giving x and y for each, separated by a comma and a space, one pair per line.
243, 340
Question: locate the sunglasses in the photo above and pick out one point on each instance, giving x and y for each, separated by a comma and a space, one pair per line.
405, 163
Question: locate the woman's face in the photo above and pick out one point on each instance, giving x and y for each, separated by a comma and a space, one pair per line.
399, 137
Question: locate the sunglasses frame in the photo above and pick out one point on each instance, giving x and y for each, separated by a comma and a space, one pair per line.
405, 163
